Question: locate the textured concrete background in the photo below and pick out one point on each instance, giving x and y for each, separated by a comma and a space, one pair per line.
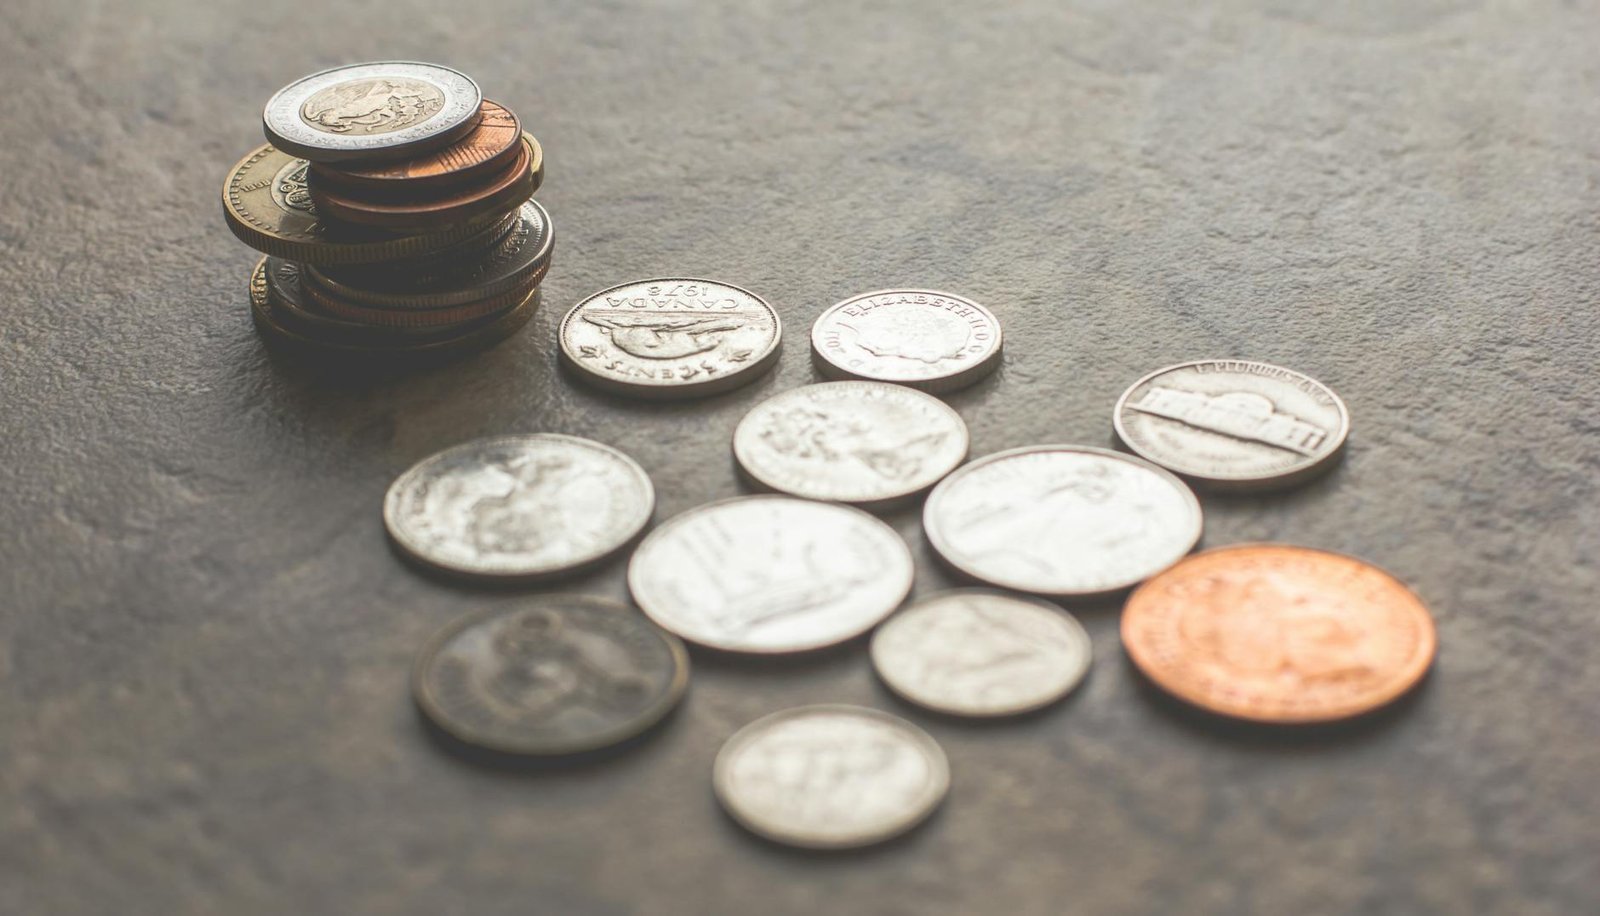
204, 638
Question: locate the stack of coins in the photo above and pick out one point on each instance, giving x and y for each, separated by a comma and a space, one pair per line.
394, 206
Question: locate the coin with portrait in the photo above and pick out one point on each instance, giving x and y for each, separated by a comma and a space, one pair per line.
922, 338
372, 111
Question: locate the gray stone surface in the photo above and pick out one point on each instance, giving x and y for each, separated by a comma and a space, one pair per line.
204, 638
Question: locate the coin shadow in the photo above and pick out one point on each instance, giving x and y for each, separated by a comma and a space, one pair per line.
834, 656
630, 751
984, 724
1326, 476
828, 857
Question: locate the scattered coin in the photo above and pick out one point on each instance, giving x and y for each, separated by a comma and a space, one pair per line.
1233, 424
424, 212
925, 339
1280, 634
671, 338
381, 110
1061, 520
563, 674
975, 652
519, 507
830, 777
770, 574
490, 148
853, 442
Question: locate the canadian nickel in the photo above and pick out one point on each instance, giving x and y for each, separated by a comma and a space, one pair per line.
770, 574
671, 338
1062, 520
519, 507
922, 338
853, 442
976, 652
830, 776
562, 674
1233, 424
383, 110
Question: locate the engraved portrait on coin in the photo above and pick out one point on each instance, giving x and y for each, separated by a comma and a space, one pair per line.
372, 106
922, 338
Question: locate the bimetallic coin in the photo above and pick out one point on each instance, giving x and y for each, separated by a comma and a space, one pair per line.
853, 442
490, 148
422, 212
831, 776
382, 110
563, 674
671, 338
1232, 424
1279, 634
975, 652
1061, 520
519, 507
770, 574
925, 339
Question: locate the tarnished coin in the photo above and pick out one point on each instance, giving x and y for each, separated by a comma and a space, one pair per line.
562, 674
769, 574
671, 338
302, 306
929, 340
389, 109
1232, 424
831, 776
497, 194
975, 652
1282, 634
1061, 520
489, 148
519, 507
853, 442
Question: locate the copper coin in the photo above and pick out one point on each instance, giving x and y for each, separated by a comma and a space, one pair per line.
490, 148
500, 193
1279, 634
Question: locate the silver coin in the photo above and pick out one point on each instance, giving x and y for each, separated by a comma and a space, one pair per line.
831, 776
922, 338
1233, 424
519, 507
383, 110
562, 674
671, 338
976, 652
1061, 520
852, 442
770, 574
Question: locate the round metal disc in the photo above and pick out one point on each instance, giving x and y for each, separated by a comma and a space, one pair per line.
374, 111
922, 338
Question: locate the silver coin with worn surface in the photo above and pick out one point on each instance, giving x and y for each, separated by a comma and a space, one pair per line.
1231, 424
391, 109
770, 574
519, 507
830, 776
853, 442
671, 338
1062, 520
562, 674
977, 652
922, 338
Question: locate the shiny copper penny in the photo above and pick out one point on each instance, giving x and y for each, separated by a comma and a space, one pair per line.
502, 192
1279, 634
490, 148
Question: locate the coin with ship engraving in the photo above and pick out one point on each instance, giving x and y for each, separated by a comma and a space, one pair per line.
519, 507
1279, 634
830, 776
922, 338
490, 148
559, 674
382, 110
1062, 520
866, 443
671, 338
1232, 424
770, 574
977, 652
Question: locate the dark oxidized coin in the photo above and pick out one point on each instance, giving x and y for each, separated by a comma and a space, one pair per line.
491, 147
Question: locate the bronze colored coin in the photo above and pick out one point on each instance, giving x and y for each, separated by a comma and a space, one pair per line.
1279, 634
502, 192
489, 149
415, 319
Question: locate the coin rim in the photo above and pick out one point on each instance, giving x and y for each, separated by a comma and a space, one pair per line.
938, 384
506, 192
383, 182
409, 141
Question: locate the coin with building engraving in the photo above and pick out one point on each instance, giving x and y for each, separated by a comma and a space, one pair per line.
922, 338
519, 507
374, 111
671, 338
1063, 520
977, 652
853, 442
1232, 424
770, 574
559, 674
830, 776
1279, 634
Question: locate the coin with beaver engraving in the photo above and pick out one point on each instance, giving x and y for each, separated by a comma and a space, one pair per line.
382, 110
